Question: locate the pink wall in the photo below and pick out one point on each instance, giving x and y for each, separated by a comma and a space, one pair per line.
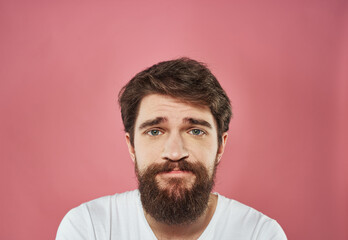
283, 64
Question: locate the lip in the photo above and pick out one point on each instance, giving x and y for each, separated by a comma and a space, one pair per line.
176, 173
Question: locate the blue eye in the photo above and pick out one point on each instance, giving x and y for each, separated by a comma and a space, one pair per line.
197, 132
154, 132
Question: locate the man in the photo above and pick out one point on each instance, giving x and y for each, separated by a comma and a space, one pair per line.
176, 118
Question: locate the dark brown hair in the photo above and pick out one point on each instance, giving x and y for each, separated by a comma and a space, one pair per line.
182, 78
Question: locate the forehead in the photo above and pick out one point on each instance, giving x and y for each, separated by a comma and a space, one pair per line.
174, 109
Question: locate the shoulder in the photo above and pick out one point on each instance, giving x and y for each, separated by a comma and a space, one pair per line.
76, 224
238, 210
248, 220
82, 222
104, 205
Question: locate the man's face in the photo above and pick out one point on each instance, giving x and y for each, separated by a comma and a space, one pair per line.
175, 146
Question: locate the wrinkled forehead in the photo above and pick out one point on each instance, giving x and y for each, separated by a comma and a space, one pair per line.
170, 109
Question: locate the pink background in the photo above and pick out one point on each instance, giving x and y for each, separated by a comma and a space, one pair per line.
283, 64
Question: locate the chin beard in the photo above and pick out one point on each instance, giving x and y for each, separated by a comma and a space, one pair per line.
175, 204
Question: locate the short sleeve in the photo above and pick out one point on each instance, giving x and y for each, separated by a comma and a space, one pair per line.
76, 225
271, 230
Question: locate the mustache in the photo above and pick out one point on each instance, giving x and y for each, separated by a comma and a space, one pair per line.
182, 165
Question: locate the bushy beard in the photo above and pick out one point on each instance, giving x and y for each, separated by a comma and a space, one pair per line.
175, 204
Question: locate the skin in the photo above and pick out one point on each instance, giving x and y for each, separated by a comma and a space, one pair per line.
167, 129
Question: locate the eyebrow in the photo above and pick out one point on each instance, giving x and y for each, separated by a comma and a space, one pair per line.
195, 121
152, 122
158, 120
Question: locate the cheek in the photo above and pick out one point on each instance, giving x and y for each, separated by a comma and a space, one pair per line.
146, 153
206, 147
205, 155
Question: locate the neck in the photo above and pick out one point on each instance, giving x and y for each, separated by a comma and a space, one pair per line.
185, 231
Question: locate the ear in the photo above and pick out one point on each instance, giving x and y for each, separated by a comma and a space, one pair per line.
130, 147
221, 148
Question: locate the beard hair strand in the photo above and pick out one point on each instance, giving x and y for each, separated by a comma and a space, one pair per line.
176, 204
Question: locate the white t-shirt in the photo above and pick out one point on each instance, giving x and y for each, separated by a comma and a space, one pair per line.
121, 216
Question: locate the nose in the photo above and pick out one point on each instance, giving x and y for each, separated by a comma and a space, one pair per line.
174, 148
